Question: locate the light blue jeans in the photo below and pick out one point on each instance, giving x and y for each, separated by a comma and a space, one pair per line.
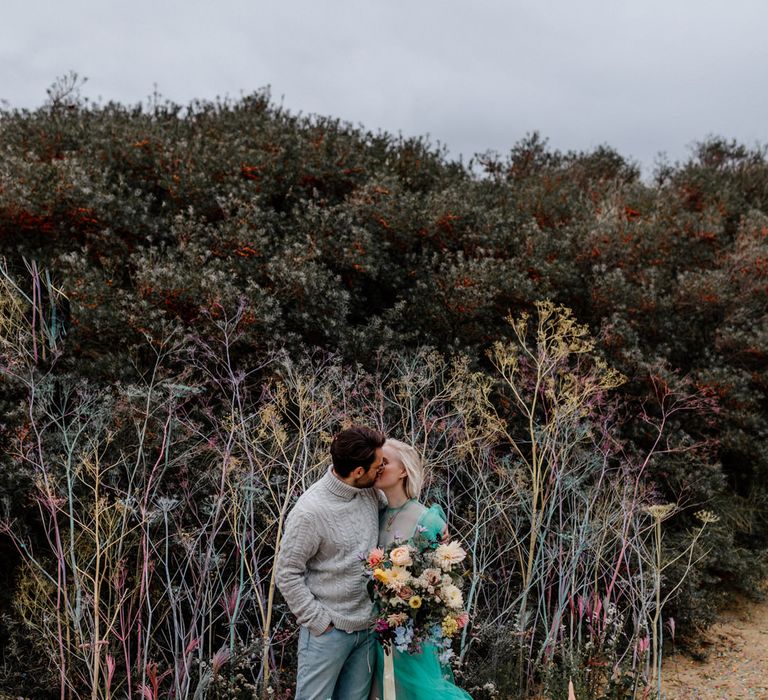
336, 665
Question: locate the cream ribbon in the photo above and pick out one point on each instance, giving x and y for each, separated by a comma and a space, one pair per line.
389, 675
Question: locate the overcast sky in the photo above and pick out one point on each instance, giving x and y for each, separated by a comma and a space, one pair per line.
644, 76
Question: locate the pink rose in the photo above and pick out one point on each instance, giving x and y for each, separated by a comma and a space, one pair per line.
405, 593
375, 557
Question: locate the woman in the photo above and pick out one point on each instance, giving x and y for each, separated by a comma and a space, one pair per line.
417, 676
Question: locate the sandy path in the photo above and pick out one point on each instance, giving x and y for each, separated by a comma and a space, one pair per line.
736, 663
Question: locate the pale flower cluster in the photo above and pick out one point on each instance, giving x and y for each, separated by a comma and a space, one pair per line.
446, 555
431, 582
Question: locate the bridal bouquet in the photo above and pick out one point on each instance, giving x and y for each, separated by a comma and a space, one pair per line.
416, 587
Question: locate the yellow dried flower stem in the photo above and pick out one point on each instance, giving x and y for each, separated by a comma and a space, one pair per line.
706, 517
662, 511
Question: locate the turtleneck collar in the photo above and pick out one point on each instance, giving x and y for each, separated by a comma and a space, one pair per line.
340, 488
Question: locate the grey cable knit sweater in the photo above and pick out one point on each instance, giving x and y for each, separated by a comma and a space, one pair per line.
318, 566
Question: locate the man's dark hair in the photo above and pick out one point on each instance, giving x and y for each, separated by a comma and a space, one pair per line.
355, 447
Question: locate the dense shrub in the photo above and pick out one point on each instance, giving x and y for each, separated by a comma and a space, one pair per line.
310, 235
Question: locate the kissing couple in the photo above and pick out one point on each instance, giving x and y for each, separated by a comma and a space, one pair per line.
368, 498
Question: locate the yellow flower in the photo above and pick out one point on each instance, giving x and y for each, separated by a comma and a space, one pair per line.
415, 601
450, 626
381, 575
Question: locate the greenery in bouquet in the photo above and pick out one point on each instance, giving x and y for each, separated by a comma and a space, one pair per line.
416, 586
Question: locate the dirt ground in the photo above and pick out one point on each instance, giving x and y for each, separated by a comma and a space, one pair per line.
734, 659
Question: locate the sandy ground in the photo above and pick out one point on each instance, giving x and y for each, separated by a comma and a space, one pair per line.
735, 659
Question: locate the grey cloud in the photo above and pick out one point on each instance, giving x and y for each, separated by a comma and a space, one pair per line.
643, 77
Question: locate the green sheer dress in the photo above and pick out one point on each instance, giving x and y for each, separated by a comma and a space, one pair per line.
417, 676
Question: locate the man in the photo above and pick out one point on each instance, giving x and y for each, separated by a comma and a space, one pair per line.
333, 523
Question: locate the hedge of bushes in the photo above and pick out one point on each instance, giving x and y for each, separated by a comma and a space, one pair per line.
129, 230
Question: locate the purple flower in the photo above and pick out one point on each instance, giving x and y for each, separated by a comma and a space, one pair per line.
381, 626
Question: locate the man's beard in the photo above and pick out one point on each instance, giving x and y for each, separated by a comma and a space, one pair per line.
367, 480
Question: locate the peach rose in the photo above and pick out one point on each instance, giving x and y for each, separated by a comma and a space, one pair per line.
401, 556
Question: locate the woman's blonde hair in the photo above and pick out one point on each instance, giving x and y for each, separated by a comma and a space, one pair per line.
414, 472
